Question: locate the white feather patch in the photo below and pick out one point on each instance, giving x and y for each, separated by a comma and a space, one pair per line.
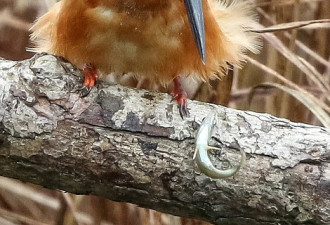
235, 18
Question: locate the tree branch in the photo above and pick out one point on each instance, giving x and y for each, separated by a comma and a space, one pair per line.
131, 145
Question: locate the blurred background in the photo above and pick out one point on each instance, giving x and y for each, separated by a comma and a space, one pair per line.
290, 78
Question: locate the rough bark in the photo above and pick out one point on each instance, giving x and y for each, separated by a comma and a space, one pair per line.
131, 145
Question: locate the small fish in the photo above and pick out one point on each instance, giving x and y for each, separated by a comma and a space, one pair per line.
201, 152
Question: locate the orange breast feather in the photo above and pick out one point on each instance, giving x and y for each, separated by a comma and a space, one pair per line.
150, 38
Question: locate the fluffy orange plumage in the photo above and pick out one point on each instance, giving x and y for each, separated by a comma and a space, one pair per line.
148, 38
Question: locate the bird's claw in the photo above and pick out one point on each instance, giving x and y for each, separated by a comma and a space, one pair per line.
84, 91
180, 95
90, 77
181, 99
183, 110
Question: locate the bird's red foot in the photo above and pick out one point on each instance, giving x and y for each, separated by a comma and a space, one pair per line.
90, 77
180, 95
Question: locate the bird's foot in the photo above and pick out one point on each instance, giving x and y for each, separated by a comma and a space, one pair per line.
180, 95
90, 77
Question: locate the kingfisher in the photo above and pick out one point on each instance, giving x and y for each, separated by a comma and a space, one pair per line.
162, 41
